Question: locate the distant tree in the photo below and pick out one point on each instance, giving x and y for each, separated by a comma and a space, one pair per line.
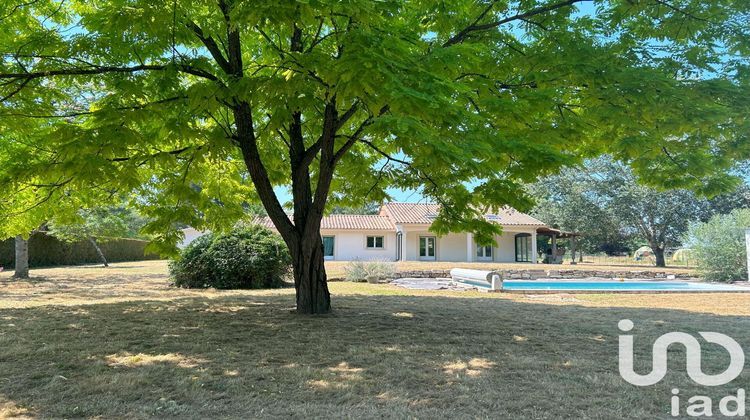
369, 208
98, 225
726, 203
604, 201
660, 217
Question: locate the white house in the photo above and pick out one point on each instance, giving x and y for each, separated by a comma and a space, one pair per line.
401, 232
189, 234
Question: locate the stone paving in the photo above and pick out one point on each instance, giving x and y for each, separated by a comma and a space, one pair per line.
431, 284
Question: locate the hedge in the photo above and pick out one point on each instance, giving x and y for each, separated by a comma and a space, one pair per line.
46, 251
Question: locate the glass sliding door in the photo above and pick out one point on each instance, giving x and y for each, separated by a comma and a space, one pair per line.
523, 247
328, 242
427, 248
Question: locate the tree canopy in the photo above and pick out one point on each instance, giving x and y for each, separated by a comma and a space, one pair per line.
195, 108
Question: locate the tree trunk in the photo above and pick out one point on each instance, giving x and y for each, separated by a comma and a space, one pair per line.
310, 279
573, 250
22, 258
659, 254
99, 251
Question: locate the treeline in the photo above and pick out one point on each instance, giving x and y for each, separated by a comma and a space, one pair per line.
45, 250
616, 211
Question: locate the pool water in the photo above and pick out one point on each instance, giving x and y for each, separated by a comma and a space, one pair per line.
619, 286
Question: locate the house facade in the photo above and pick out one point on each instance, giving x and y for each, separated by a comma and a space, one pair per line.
400, 232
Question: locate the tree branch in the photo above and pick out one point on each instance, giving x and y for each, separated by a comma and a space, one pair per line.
105, 69
171, 152
234, 49
681, 11
356, 136
311, 152
211, 45
82, 113
476, 27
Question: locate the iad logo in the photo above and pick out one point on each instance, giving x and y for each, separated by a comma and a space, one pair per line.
693, 362
699, 405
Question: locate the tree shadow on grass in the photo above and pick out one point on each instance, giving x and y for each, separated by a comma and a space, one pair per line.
376, 356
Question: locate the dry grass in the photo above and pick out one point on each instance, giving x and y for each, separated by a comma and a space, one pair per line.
336, 268
120, 343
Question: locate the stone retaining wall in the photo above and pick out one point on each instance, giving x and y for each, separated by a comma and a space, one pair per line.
554, 274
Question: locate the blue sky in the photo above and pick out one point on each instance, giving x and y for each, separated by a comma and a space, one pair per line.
406, 196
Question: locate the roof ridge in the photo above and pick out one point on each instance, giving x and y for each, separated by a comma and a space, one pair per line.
354, 214
414, 204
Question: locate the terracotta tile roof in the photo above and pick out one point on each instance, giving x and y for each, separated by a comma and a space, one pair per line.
420, 213
345, 222
425, 213
406, 213
512, 217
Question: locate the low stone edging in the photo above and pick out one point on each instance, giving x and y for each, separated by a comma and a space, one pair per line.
553, 274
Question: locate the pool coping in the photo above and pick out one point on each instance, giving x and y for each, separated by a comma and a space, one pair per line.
600, 292
734, 288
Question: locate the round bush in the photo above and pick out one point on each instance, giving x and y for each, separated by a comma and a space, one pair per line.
247, 258
719, 246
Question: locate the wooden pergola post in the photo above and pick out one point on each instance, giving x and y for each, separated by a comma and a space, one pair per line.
554, 248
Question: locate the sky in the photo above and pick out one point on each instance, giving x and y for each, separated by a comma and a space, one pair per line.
404, 196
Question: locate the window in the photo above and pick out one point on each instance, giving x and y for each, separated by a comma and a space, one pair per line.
523, 247
374, 242
484, 252
328, 247
427, 247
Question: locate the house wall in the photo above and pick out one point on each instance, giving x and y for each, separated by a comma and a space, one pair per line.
411, 248
452, 247
191, 234
505, 251
351, 245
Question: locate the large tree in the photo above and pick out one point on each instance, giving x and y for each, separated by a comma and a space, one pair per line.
660, 217
197, 107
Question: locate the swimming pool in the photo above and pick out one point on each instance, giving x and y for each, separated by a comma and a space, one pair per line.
616, 286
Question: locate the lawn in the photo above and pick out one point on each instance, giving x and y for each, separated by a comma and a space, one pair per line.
120, 343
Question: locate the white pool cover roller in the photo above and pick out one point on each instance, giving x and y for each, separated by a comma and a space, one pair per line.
491, 280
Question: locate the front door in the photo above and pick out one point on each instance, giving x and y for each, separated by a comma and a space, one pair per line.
427, 248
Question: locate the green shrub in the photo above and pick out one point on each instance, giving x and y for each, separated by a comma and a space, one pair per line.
249, 257
719, 246
359, 270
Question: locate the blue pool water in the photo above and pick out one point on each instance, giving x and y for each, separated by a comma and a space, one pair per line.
618, 286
